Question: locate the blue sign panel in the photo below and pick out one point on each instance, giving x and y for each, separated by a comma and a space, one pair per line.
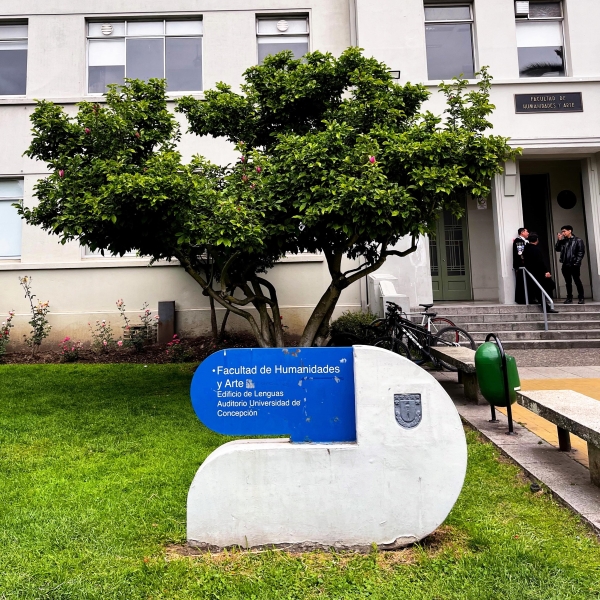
306, 393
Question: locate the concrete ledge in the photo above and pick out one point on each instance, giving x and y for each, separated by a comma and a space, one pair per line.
568, 481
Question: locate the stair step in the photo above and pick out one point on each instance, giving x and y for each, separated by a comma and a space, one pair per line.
550, 344
444, 310
479, 336
522, 317
574, 326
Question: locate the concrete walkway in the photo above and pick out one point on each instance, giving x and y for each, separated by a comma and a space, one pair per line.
535, 448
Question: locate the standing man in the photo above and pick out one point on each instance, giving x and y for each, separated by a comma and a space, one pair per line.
519, 244
572, 251
535, 263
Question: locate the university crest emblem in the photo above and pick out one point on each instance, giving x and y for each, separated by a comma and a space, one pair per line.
408, 410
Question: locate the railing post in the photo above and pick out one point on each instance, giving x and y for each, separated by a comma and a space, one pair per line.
525, 285
545, 314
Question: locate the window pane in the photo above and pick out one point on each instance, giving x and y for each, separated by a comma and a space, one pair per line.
11, 188
544, 10
104, 53
10, 32
100, 77
145, 59
530, 34
448, 13
294, 26
449, 51
541, 62
145, 28
13, 69
184, 64
95, 29
184, 27
268, 46
10, 240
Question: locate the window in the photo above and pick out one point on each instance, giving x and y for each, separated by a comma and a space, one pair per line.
13, 59
276, 34
540, 39
449, 39
170, 50
11, 191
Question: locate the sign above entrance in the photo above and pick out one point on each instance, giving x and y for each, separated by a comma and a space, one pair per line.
548, 103
307, 393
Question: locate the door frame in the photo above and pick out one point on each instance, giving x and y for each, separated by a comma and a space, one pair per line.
466, 252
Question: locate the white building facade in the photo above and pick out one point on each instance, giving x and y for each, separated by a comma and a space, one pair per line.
544, 57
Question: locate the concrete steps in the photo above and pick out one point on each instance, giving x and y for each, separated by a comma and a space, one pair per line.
522, 327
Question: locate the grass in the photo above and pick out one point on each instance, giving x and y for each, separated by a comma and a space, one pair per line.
95, 464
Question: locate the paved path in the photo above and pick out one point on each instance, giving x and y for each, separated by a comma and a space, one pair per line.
535, 449
585, 380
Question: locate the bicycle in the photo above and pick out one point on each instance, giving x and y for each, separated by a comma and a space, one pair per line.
418, 339
372, 334
432, 322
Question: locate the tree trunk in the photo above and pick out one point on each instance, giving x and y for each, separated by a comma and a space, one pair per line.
224, 323
320, 315
213, 319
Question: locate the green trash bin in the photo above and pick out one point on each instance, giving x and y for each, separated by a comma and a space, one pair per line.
488, 363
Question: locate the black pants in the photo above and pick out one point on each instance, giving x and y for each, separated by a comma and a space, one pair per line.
572, 274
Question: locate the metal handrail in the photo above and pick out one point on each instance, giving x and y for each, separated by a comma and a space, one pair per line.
544, 292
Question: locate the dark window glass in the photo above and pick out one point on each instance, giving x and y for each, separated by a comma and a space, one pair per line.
184, 64
13, 72
544, 10
541, 61
100, 77
145, 59
299, 49
449, 50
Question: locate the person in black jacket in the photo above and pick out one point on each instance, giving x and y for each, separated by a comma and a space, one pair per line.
537, 266
572, 251
519, 244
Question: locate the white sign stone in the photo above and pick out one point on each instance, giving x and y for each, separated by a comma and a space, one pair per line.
393, 487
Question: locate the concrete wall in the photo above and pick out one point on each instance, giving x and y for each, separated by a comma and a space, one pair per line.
395, 32
482, 250
80, 288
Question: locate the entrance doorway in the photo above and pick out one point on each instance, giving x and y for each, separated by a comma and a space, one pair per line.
551, 196
449, 259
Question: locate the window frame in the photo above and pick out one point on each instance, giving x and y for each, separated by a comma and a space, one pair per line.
14, 200
560, 20
18, 22
283, 34
126, 36
471, 21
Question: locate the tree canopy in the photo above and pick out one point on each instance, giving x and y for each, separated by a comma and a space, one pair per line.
333, 157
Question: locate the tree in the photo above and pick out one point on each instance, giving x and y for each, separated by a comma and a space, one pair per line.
334, 157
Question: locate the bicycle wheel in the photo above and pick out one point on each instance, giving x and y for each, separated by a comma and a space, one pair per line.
344, 339
416, 343
393, 345
439, 323
453, 336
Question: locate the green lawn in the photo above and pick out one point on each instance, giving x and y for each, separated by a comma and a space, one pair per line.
95, 464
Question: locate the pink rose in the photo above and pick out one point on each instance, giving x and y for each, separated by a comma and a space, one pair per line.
258, 169
61, 173
120, 343
88, 130
372, 160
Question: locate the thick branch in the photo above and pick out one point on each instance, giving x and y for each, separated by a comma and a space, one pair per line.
213, 294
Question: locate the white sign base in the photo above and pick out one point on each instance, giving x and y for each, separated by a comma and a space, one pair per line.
393, 487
